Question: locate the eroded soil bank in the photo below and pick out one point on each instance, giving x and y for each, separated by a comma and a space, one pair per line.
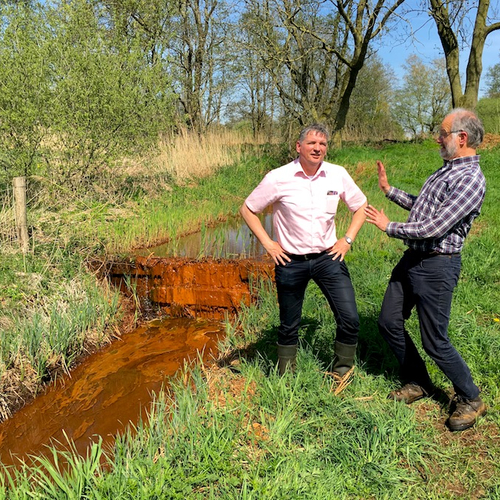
184, 287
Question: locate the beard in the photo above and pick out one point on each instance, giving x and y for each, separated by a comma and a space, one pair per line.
448, 151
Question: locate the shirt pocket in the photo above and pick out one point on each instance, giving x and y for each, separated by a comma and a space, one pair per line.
332, 201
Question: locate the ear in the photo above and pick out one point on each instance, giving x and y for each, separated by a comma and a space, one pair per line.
297, 147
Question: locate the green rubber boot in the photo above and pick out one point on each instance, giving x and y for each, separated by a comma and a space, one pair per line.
344, 358
287, 354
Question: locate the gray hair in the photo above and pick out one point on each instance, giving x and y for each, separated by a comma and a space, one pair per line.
466, 120
315, 127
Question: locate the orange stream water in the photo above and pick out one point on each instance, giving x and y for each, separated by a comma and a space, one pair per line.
115, 386
108, 390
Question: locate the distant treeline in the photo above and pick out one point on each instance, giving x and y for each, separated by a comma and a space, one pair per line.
86, 82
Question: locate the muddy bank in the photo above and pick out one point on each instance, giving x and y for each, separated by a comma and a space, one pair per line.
184, 287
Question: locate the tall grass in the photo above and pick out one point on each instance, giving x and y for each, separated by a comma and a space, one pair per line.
186, 155
184, 207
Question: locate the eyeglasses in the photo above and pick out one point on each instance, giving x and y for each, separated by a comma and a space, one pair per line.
443, 134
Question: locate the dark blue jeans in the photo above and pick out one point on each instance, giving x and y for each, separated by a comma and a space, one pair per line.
333, 279
426, 283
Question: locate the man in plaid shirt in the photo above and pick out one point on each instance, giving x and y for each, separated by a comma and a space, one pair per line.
425, 277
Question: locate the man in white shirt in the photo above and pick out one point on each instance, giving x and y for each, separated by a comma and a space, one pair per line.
304, 195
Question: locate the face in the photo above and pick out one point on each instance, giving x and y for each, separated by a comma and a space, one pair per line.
312, 150
448, 141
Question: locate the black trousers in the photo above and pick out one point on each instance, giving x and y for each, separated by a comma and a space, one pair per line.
333, 279
425, 282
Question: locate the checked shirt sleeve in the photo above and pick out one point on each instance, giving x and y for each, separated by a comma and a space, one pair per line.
401, 198
465, 197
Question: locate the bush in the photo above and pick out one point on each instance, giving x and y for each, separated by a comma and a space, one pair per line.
75, 93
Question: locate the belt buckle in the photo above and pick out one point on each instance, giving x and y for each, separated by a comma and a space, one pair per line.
306, 256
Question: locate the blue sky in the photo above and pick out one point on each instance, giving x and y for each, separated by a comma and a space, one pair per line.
394, 50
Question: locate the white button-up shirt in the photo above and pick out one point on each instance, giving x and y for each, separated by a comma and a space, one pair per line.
304, 207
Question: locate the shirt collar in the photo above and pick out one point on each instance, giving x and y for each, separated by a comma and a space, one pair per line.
460, 161
299, 170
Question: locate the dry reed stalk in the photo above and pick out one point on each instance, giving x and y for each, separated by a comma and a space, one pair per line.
187, 155
340, 383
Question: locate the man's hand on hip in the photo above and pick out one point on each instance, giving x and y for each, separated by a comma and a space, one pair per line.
277, 253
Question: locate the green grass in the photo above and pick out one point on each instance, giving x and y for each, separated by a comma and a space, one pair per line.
182, 209
238, 431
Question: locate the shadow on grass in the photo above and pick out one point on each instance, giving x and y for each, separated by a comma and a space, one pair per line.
373, 354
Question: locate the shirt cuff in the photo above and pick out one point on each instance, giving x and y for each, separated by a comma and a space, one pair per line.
391, 229
390, 193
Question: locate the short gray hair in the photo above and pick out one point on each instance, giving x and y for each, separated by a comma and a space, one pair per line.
466, 120
315, 127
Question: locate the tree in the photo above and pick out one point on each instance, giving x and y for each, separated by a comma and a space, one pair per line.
202, 61
190, 39
451, 18
493, 81
107, 96
369, 116
74, 95
314, 51
423, 99
25, 92
254, 94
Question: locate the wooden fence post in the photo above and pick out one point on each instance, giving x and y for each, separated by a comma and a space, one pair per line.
19, 184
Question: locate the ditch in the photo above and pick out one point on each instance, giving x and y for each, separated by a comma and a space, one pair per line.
188, 288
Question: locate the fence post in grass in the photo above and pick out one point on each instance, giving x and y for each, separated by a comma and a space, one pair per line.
19, 184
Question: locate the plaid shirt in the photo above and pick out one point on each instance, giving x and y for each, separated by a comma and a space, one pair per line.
442, 214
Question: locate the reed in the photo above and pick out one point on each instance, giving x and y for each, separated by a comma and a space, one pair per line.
187, 156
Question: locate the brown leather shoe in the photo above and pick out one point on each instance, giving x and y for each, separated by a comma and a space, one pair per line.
409, 393
466, 412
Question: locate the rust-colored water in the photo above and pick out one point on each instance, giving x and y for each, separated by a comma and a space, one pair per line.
108, 390
115, 386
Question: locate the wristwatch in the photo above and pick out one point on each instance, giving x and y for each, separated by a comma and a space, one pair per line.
349, 241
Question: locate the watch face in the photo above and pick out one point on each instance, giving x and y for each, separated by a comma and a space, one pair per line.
348, 239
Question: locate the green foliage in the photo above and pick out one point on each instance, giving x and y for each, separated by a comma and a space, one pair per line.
488, 110
493, 81
423, 99
244, 432
369, 116
25, 88
48, 311
109, 99
73, 94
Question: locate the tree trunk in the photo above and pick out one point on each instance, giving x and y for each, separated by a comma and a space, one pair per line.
441, 15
